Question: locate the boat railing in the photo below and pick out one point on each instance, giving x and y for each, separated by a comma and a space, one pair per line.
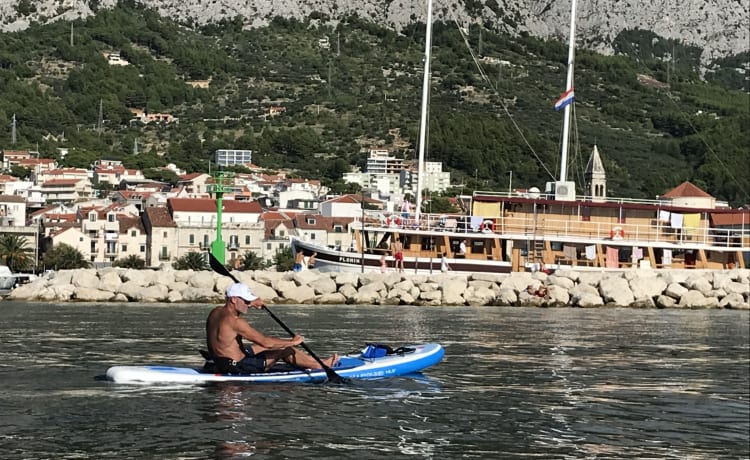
543, 227
583, 198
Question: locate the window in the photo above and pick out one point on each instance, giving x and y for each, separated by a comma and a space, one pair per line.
124, 248
247, 239
310, 221
205, 241
268, 246
312, 236
110, 217
80, 239
164, 234
191, 239
92, 217
133, 233
281, 233
164, 251
143, 248
338, 229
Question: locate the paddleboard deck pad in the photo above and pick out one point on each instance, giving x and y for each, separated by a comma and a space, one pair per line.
414, 359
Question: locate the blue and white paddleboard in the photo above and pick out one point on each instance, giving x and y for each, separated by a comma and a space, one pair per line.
349, 366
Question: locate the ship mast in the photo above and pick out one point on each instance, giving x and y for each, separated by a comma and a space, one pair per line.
423, 118
568, 87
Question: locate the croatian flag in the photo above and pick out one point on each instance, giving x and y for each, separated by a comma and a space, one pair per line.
566, 98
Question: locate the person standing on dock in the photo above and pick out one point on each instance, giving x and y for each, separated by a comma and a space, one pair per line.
397, 249
444, 267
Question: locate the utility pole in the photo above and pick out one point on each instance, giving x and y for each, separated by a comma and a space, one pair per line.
329, 79
13, 130
100, 121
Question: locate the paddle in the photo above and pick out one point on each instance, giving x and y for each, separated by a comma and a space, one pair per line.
219, 268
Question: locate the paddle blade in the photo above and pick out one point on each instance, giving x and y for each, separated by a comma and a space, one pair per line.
219, 268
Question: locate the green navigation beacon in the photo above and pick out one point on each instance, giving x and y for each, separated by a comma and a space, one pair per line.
221, 184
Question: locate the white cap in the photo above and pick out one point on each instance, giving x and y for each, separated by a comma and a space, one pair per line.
242, 291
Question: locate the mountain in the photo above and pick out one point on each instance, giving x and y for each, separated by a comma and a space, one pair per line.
719, 27
315, 96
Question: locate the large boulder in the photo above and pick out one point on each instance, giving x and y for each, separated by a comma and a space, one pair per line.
587, 300
696, 299
479, 296
698, 282
734, 301
557, 296
675, 290
324, 285
88, 294
84, 277
331, 298
517, 281
647, 288
346, 278
297, 294
347, 290
202, 280
506, 297
561, 281
616, 290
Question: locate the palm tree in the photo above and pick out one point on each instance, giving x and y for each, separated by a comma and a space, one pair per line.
251, 261
63, 256
283, 259
15, 253
191, 261
131, 261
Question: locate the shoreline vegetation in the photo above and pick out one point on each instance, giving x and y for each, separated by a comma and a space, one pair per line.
563, 288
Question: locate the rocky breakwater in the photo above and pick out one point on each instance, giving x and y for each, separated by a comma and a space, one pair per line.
564, 288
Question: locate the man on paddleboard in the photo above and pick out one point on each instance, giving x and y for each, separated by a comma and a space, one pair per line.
225, 329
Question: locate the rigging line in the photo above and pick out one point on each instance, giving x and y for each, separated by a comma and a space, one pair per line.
505, 107
700, 136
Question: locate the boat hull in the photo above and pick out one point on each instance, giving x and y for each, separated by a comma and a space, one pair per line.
332, 260
350, 367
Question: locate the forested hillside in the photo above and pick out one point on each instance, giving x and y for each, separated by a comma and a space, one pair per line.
362, 91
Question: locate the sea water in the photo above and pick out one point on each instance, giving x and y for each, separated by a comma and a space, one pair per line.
514, 383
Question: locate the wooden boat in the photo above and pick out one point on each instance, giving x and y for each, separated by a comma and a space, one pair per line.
534, 230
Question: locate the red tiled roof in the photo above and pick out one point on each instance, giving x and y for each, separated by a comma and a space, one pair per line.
15, 153
209, 205
67, 217
159, 216
126, 223
53, 182
274, 215
36, 161
191, 176
53, 172
686, 190
12, 199
353, 199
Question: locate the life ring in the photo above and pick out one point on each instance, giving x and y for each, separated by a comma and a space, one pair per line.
488, 226
617, 233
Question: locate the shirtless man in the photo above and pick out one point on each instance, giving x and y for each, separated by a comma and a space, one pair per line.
299, 259
225, 330
397, 248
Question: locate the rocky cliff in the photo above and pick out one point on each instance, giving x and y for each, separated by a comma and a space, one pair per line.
720, 27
